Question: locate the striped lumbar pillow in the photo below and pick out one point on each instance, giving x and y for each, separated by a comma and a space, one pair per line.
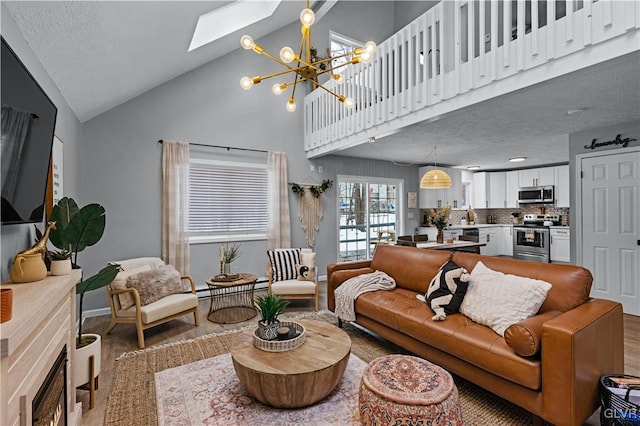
283, 262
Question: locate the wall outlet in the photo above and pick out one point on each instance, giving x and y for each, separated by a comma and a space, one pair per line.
320, 169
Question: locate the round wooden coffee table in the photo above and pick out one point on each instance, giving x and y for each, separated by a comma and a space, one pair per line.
295, 378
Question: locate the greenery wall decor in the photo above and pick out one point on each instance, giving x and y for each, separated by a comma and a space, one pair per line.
310, 209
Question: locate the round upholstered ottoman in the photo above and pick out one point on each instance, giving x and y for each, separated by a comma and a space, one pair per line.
406, 390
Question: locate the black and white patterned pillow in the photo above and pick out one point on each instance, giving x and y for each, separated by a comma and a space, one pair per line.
447, 289
283, 262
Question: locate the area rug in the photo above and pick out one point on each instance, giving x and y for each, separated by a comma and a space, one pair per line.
208, 393
133, 396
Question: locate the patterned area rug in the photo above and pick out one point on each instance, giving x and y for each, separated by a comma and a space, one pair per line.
208, 393
133, 397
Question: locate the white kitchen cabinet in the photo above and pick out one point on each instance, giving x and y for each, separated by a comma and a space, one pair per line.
480, 199
512, 188
506, 247
497, 192
561, 184
560, 245
489, 236
543, 176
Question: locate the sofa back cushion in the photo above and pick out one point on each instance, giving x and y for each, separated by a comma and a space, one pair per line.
570, 284
412, 268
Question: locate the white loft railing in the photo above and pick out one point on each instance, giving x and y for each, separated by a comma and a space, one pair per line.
471, 51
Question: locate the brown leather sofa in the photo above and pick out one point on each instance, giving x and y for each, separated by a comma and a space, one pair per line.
579, 338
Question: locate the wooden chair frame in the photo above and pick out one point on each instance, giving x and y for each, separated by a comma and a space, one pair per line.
137, 320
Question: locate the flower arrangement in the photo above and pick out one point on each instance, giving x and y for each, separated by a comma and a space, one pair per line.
440, 217
228, 255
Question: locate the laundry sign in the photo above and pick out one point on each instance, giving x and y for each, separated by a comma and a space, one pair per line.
617, 141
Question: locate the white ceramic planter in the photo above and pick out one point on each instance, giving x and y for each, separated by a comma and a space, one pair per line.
81, 360
61, 267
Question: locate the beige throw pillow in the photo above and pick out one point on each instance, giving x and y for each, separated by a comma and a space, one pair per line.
155, 284
306, 273
120, 283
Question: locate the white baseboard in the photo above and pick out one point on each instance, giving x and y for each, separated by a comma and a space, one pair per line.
96, 313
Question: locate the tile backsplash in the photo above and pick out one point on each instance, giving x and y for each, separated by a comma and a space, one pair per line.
504, 215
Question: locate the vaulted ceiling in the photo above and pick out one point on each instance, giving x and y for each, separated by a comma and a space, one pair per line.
101, 54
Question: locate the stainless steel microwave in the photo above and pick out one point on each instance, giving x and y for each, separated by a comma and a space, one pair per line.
536, 194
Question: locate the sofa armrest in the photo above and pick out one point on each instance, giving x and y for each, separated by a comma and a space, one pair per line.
356, 264
577, 348
337, 273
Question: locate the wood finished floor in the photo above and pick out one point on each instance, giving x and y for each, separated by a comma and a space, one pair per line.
123, 339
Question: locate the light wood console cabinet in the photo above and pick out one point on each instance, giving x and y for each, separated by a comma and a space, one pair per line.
43, 322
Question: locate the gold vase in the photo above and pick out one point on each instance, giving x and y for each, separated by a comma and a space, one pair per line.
27, 268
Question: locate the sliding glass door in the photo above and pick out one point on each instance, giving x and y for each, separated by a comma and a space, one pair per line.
369, 213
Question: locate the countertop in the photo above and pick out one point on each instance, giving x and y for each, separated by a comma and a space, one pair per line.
489, 225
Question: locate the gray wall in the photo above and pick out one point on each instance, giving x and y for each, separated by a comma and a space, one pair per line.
121, 165
68, 129
577, 142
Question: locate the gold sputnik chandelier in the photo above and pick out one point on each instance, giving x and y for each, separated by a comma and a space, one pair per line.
306, 68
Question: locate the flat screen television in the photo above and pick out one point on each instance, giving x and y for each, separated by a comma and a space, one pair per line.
28, 125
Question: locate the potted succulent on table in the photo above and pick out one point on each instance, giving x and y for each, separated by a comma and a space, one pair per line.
269, 306
60, 261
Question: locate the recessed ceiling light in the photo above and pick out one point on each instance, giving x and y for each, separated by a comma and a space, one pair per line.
230, 18
473, 167
517, 159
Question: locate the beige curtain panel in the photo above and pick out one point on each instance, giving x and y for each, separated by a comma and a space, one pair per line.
279, 222
175, 208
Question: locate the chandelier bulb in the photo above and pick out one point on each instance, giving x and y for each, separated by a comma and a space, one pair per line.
278, 88
370, 47
246, 41
246, 83
348, 103
307, 17
291, 105
287, 55
339, 78
366, 57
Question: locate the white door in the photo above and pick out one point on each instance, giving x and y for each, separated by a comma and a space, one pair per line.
610, 216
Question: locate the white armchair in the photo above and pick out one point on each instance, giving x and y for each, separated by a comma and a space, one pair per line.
292, 274
148, 293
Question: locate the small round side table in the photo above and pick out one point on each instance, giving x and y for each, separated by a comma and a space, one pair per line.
232, 301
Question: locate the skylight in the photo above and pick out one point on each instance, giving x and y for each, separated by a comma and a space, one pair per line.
230, 18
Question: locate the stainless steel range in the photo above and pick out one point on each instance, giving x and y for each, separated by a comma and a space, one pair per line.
531, 239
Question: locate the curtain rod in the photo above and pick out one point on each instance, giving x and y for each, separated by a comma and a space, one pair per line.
224, 147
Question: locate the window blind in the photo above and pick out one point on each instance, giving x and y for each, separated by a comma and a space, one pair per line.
227, 198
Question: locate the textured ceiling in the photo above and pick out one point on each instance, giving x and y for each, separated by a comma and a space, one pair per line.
101, 54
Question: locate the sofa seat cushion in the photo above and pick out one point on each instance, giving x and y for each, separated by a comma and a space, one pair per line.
296, 286
162, 308
477, 344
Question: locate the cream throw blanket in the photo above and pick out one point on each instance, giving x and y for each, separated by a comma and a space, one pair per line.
348, 292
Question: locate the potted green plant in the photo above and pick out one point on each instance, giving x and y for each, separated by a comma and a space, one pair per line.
76, 228
269, 306
60, 261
